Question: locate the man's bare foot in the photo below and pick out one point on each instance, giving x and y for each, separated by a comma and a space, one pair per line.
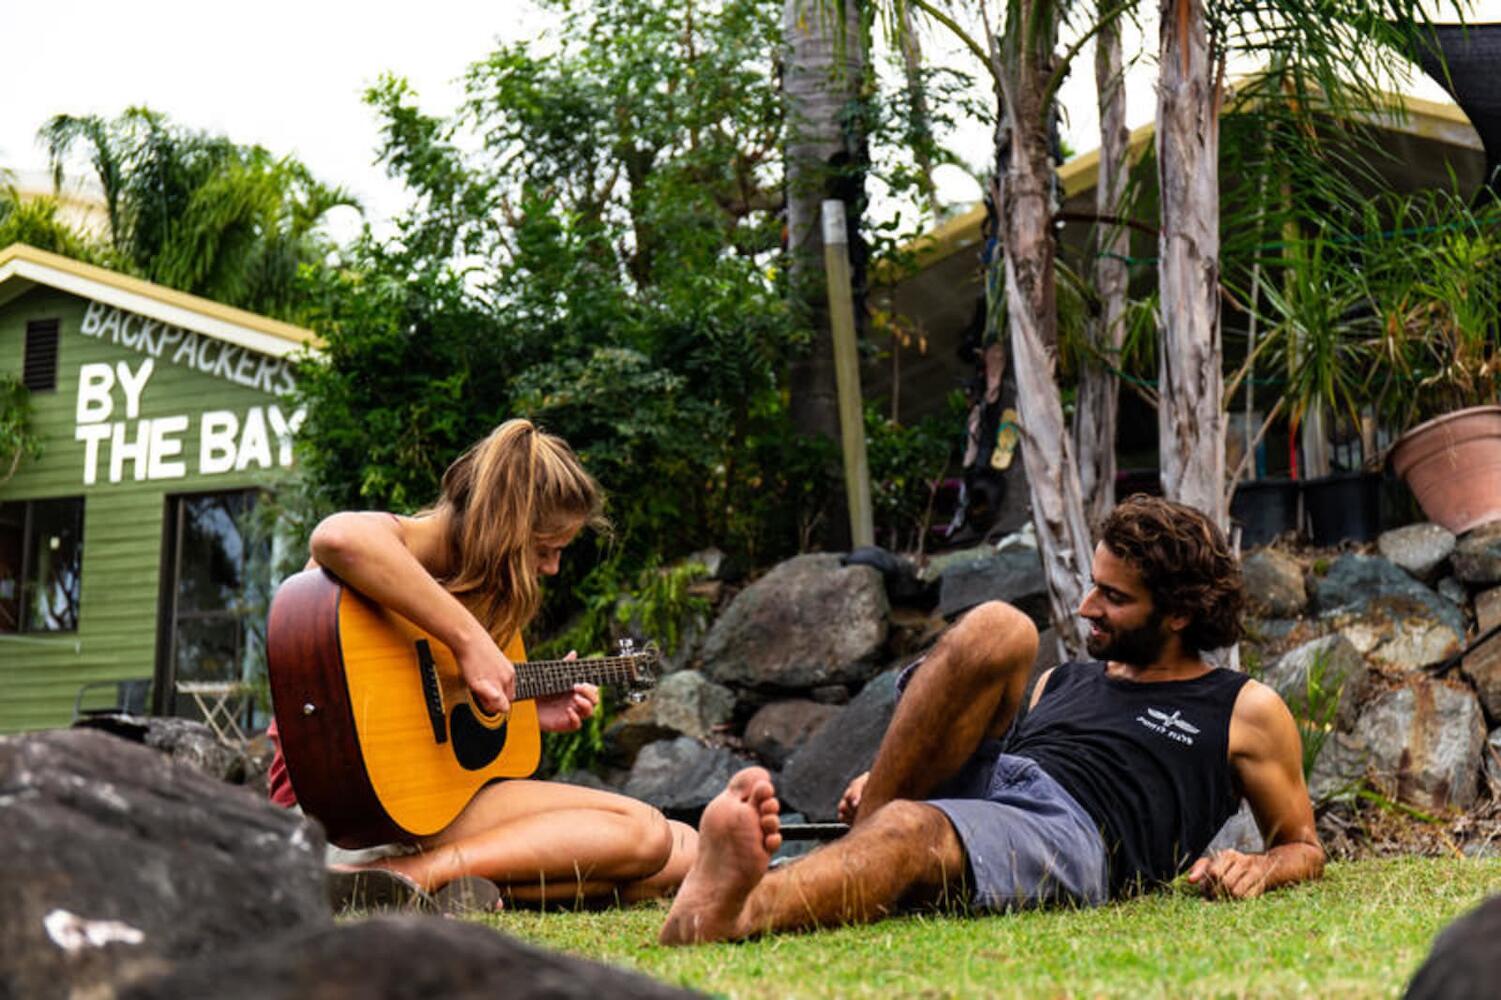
739, 831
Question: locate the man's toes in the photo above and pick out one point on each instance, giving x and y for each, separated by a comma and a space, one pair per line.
747, 782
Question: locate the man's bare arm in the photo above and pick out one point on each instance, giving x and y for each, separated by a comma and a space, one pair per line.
1267, 756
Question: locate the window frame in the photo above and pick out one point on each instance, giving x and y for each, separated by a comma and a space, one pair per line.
26, 586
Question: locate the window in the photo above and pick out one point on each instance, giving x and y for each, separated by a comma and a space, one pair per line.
214, 591
39, 362
41, 565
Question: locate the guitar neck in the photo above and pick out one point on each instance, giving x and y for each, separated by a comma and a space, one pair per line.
540, 678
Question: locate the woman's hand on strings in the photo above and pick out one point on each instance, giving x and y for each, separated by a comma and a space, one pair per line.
566, 712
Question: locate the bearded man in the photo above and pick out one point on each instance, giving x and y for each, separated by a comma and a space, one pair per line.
1114, 781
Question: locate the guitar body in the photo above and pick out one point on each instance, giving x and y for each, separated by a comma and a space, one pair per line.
381, 738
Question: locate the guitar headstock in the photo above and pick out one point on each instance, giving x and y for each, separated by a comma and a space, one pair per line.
642, 667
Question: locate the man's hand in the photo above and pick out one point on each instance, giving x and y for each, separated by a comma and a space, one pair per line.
490, 675
849, 803
566, 712
1232, 875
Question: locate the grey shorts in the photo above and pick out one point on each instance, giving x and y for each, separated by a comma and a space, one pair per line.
1028, 842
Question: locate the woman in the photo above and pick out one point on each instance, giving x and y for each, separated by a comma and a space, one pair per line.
466, 571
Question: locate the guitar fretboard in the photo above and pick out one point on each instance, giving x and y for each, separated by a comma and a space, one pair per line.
540, 678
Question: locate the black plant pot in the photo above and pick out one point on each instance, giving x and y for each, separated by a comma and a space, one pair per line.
1264, 509
1343, 506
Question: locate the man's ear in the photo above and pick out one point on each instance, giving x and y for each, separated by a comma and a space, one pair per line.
1177, 623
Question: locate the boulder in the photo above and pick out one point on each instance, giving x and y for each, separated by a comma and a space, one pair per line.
1493, 761
717, 565
184, 740
1340, 767
808, 622
1420, 549
119, 861
974, 576
1274, 583
1453, 591
1488, 609
1240, 833
1327, 668
1465, 963
387, 958
680, 776
684, 704
1477, 557
902, 583
1425, 740
780, 729
1355, 583
841, 748
1482, 665
1398, 634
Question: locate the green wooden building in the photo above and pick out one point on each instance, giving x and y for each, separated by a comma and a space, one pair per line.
130, 559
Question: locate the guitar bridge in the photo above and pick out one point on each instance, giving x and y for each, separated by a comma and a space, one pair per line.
432, 691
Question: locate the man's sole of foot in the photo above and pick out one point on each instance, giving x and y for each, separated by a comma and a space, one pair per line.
735, 848
376, 889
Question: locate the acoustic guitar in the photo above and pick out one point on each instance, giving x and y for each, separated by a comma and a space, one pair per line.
382, 739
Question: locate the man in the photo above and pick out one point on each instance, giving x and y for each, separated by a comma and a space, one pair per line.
1115, 780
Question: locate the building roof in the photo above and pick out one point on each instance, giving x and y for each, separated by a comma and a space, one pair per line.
24, 267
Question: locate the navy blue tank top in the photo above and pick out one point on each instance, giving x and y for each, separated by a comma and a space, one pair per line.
1150, 763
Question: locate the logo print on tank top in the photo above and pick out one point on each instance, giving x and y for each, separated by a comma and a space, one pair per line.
1171, 726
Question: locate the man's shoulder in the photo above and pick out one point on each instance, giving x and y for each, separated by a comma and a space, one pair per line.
1259, 709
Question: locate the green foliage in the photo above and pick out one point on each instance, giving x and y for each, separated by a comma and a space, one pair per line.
18, 439
35, 222
1316, 709
594, 246
906, 465
198, 212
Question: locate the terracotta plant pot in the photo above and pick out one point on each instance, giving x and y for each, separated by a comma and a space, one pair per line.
1452, 464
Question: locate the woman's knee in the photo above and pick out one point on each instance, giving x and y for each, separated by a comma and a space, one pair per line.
651, 842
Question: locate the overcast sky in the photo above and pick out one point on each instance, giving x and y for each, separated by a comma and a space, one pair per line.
289, 75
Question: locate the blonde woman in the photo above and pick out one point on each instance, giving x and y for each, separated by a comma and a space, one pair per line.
467, 571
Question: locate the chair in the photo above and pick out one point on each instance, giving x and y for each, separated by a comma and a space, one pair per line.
131, 696
221, 703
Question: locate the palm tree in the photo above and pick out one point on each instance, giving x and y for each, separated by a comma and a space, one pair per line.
198, 212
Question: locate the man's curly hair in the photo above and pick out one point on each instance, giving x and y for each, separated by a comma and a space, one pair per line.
1185, 563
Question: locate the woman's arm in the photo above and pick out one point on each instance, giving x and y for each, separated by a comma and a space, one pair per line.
390, 560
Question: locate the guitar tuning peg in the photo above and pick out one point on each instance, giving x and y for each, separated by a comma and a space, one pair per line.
635, 697
627, 647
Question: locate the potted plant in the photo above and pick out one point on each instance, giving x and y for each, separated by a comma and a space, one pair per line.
1434, 279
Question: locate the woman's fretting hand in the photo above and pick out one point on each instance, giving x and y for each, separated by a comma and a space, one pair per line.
490, 675
566, 712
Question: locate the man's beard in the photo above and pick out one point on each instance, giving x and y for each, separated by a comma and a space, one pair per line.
1137, 647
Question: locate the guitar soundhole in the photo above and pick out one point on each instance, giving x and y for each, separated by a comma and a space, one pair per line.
474, 744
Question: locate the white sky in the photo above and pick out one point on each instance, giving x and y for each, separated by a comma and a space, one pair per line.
289, 75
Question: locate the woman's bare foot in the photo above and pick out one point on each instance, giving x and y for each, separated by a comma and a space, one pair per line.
738, 833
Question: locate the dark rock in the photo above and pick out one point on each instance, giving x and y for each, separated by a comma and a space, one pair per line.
1340, 768
1488, 609
1477, 557
1453, 591
628, 733
902, 583
1355, 582
1335, 670
717, 565
584, 779
1425, 740
1493, 761
830, 694
972, 577
1274, 583
184, 740
398, 958
689, 704
119, 861
780, 729
1420, 549
1465, 963
808, 622
680, 776
1483, 666
840, 749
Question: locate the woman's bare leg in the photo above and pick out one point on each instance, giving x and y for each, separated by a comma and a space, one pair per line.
534, 832
591, 893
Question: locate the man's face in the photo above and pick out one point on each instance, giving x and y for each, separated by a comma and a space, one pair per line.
1124, 625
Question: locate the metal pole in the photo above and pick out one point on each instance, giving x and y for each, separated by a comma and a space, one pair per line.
847, 373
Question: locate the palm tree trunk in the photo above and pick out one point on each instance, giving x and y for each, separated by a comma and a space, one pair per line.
1025, 210
1190, 417
919, 117
1099, 386
824, 68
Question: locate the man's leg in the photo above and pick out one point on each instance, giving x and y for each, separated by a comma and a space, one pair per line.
969, 687
907, 852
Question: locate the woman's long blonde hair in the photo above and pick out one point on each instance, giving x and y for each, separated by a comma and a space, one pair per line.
515, 486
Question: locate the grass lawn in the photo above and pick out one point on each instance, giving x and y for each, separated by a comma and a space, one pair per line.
1360, 932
